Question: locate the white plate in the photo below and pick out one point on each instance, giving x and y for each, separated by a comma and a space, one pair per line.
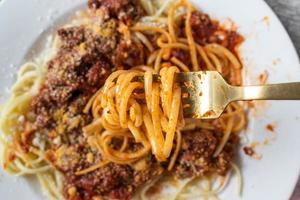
267, 47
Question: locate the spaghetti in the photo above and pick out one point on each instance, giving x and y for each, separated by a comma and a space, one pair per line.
121, 110
147, 123
131, 126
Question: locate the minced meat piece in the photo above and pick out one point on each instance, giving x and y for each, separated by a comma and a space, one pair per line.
202, 27
207, 31
127, 11
86, 39
232, 40
129, 55
249, 151
223, 162
113, 181
97, 74
72, 36
181, 55
80, 66
196, 157
114, 6
106, 179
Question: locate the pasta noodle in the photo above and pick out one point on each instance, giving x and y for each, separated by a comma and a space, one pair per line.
116, 99
139, 109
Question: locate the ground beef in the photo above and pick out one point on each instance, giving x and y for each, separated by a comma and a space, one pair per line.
196, 156
232, 40
106, 179
84, 60
227, 38
114, 6
129, 55
202, 27
72, 36
91, 41
206, 31
151, 169
127, 11
77, 71
181, 55
113, 181
223, 162
97, 74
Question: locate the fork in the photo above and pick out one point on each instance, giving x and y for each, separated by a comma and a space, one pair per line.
206, 94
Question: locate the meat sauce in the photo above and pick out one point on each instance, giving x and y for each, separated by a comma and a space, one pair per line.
126, 11
83, 62
196, 157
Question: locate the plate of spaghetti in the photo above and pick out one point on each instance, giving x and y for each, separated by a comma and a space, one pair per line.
83, 118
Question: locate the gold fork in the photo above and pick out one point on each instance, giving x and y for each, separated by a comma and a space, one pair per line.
206, 94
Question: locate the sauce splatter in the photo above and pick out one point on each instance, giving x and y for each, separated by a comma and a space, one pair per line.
263, 77
270, 127
249, 151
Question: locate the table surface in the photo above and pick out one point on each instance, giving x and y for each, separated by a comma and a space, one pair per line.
289, 13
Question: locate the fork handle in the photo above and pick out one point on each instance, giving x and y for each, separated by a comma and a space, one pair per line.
283, 91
